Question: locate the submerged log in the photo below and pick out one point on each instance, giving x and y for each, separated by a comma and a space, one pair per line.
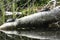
37, 20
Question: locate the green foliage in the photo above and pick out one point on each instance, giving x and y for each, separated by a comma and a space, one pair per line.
3, 10
41, 2
27, 7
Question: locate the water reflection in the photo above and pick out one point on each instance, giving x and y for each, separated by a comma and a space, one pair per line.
41, 35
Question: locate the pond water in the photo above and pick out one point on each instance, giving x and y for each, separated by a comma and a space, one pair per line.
30, 35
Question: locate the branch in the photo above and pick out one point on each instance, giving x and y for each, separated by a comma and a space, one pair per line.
51, 6
11, 13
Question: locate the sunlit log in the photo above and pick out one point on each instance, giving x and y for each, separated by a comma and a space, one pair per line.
37, 20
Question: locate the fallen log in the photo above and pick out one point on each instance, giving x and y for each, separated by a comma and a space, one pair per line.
37, 20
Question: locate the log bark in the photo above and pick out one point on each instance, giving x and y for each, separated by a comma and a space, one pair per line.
37, 20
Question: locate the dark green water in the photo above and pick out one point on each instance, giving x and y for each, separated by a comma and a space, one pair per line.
30, 35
